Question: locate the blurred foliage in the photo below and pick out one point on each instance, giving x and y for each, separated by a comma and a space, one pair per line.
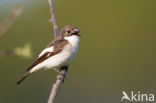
25, 51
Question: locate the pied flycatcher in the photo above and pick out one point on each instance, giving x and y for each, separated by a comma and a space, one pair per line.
58, 53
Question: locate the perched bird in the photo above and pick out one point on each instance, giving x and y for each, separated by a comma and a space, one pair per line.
58, 53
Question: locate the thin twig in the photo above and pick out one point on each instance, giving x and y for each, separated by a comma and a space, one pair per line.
53, 20
57, 85
63, 70
5, 53
4, 26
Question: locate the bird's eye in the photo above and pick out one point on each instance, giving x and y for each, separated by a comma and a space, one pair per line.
68, 31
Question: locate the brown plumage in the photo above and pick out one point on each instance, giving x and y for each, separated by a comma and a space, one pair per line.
58, 46
58, 43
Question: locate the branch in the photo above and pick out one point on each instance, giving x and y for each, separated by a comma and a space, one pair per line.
63, 70
4, 26
5, 53
57, 85
53, 20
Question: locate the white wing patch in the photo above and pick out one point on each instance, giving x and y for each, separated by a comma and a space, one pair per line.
50, 49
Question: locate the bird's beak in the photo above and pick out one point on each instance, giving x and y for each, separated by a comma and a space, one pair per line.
77, 32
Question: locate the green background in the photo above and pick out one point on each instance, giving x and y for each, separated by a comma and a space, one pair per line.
117, 50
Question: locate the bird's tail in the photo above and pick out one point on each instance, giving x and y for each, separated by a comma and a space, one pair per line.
23, 77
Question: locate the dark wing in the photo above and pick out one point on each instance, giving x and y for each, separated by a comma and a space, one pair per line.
39, 60
58, 46
55, 41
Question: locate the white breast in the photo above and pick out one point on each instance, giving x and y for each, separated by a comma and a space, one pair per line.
74, 41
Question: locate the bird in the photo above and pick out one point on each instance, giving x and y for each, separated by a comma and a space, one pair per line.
58, 53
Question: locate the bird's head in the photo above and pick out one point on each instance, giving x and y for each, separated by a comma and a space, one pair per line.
69, 31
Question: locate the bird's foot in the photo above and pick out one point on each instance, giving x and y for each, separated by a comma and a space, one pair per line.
60, 76
56, 70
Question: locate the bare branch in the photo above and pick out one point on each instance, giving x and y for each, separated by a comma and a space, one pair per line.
5, 53
63, 70
57, 85
4, 26
53, 20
